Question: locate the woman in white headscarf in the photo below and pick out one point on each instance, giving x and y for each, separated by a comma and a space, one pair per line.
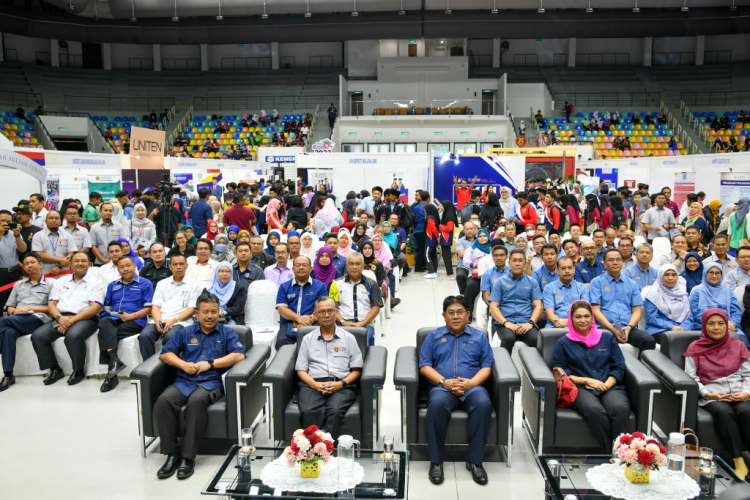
509, 204
330, 217
667, 303
117, 213
141, 230
308, 248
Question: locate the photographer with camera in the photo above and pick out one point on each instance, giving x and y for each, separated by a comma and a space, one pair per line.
11, 244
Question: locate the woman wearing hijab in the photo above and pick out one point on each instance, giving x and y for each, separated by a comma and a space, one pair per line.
181, 246
571, 208
384, 255
212, 230
432, 221
329, 216
117, 213
491, 212
141, 231
643, 205
479, 249
710, 294
359, 236
243, 236
614, 215
307, 247
738, 222
231, 294
345, 243
714, 207
372, 263
188, 230
390, 237
216, 207
273, 238
448, 223
593, 213
221, 252
693, 272
720, 365
232, 233
694, 218
724, 219
667, 304
127, 249
594, 362
324, 270
509, 204
273, 219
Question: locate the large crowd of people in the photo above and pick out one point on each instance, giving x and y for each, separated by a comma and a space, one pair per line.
612, 266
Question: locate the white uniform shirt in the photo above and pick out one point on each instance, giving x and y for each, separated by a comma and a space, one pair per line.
78, 234
58, 245
108, 274
73, 296
173, 298
202, 274
40, 219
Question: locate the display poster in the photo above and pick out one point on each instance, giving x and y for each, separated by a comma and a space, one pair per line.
185, 180
629, 183
608, 175
106, 185
733, 187
53, 192
207, 180
684, 184
129, 181
147, 148
74, 187
490, 170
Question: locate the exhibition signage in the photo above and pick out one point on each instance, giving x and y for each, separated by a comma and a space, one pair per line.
147, 148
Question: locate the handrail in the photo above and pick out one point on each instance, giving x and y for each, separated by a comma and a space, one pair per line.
28, 99
220, 103
102, 103
718, 98
313, 125
38, 123
617, 99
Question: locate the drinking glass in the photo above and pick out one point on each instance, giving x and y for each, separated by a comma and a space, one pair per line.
706, 455
388, 447
246, 437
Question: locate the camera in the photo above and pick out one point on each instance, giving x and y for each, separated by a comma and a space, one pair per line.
167, 188
12, 225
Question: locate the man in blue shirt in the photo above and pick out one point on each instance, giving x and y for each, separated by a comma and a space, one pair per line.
126, 306
295, 301
559, 295
516, 305
419, 234
201, 353
591, 267
500, 269
642, 273
457, 359
548, 272
201, 213
616, 301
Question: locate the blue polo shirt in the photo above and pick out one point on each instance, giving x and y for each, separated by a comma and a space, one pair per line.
544, 277
454, 356
419, 218
560, 297
490, 276
642, 278
585, 272
616, 297
515, 297
130, 298
339, 263
300, 299
193, 346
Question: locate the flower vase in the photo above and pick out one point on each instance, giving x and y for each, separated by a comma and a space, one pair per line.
637, 474
309, 468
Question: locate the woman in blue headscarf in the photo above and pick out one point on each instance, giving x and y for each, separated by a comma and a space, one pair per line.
667, 305
271, 240
710, 294
693, 272
231, 295
128, 250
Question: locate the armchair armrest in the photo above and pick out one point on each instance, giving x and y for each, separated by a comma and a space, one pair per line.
504, 381
372, 380
642, 387
244, 389
281, 376
679, 395
151, 378
538, 397
406, 380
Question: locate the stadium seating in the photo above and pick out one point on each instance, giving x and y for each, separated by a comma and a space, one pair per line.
119, 126
645, 140
737, 129
18, 130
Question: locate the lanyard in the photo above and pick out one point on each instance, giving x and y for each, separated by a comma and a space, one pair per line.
54, 245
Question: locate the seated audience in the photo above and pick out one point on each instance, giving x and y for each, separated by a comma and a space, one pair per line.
358, 306
558, 296
710, 294
720, 365
53, 246
324, 270
591, 267
259, 256
667, 306
693, 272
157, 267
739, 276
280, 272
458, 376
221, 251
231, 294
181, 246
201, 267
642, 273
198, 384
295, 302
594, 362
244, 271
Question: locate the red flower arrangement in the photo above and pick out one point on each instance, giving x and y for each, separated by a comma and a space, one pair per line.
309, 444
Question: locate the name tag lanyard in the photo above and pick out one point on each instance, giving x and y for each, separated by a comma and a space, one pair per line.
54, 245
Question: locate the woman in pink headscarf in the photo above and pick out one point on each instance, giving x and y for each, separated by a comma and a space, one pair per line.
385, 256
345, 243
594, 362
273, 219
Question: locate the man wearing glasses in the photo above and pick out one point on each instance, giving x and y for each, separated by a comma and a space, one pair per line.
295, 301
457, 359
740, 276
329, 362
616, 301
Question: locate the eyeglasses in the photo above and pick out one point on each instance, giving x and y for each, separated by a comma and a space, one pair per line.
456, 314
326, 312
714, 273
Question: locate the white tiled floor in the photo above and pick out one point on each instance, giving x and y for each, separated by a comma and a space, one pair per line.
75, 443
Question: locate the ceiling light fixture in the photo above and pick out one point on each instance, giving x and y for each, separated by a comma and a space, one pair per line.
264, 15
541, 7
635, 7
733, 6
494, 7
219, 17
684, 7
402, 12
448, 10
354, 12
308, 13
133, 19
71, 6
175, 18
589, 10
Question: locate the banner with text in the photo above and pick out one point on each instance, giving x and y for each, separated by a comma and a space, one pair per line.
106, 185
147, 148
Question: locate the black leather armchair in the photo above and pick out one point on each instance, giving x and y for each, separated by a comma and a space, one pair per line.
502, 386
244, 398
360, 421
552, 429
677, 406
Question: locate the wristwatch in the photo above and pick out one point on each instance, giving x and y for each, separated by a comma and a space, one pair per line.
211, 363
442, 381
343, 383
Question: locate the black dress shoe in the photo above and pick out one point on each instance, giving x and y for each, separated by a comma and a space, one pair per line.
477, 473
109, 384
395, 302
436, 474
7, 382
76, 377
186, 468
54, 375
115, 367
170, 466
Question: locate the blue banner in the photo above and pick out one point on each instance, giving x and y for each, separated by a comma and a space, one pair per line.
489, 170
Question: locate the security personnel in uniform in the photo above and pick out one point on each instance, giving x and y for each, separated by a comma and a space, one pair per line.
295, 301
74, 305
53, 246
126, 305
329, 362
359, 297
202, 353
457, 359
157, 268
27, 311
243, 269
173, 306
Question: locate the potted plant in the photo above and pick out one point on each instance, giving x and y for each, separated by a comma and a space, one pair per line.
308, 448
410, 253
641, 454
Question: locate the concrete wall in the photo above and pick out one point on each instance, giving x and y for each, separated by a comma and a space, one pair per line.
302, 52
739, 45
633, 47
25, 48
123, 52
544, 48
524, 96
362, 57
